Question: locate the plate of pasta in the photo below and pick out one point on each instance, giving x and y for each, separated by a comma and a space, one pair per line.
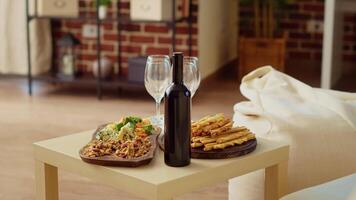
129, 142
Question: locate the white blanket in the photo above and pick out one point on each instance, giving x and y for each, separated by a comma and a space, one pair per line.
320, 126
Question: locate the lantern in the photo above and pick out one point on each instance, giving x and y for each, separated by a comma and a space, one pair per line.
68, 55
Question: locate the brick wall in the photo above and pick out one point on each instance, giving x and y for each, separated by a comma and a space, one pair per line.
300, 43
136, 38
142, 39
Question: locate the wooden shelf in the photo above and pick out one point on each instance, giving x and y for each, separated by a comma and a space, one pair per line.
90, 80
123, 20
118, 18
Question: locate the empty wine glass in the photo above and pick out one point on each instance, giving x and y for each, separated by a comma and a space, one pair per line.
191, 74
157, 78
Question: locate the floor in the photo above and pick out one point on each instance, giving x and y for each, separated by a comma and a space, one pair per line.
57, 110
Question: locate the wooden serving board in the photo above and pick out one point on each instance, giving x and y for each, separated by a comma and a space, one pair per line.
122, 162
230, 152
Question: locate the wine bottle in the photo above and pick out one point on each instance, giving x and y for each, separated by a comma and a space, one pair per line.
177, 118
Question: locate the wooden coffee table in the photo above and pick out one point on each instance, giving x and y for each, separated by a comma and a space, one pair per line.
157, 181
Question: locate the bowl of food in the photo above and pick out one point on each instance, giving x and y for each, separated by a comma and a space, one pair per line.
129, 142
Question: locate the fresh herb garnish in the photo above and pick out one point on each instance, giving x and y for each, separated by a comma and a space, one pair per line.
148, 129
133, 120
119, 126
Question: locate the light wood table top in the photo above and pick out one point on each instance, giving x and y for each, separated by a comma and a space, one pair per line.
156, 180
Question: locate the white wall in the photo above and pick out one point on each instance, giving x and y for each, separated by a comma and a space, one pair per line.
217, 34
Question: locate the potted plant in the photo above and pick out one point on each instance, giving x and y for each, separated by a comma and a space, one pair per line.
265, 48
103, 7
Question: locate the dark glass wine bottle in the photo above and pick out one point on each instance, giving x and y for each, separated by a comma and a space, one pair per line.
177, 118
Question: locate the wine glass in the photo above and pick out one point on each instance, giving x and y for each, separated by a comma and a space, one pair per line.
191, 74
157, 78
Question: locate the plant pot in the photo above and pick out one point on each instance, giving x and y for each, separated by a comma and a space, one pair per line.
257, 52
106, 68
103, 10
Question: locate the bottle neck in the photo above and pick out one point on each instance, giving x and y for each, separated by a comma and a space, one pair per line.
178, 68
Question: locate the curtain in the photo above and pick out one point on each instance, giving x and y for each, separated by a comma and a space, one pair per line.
13, 42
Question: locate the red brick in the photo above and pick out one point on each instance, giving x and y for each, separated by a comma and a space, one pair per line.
82, 3
300, 54
141, 39
89, 57
78, 36
84, 46
299, 16
108, 26
194, 7
185, 30
312, 45
124, 5
350, 18
289, 25
113, 58
186, 52
56, 23
346, 47
194, 42
311, 7
293, 7
194, 53
91, 14
350, 57
104, 47
73, 24
350, 38
156, 50
114, 37
246, 13
130, 49
347, 28
318, 36
317, 55
291, 45
124, 71
299, 35
156, 28
58, 34
130, 27
319, 17
168, 40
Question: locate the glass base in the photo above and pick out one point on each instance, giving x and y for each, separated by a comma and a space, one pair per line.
158, 121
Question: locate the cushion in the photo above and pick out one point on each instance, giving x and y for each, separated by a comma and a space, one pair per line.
341, 189
319, 125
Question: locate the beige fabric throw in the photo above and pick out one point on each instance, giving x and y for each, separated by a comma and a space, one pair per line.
319, 125
13, 42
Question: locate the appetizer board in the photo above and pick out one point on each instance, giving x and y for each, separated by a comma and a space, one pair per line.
127, 147
231, 152
214, 137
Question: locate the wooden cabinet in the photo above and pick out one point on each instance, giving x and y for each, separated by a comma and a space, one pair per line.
58, 8
158, 10
257, 52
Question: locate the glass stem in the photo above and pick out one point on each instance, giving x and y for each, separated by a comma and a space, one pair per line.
158, 107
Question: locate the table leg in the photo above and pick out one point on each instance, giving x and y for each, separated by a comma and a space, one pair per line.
46, 181
276, 181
